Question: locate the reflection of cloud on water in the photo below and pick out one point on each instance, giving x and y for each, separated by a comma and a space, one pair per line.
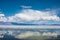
37, 34
30, 33
49, 34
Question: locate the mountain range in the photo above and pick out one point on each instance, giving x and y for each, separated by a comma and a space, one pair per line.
13, 23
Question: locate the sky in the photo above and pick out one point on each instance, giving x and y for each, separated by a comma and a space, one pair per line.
30, 11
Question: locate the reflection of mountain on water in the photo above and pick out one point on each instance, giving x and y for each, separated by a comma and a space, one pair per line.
6, 36
9, 37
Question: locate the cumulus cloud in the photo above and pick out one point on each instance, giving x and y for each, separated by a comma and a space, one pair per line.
35, 15
32, 16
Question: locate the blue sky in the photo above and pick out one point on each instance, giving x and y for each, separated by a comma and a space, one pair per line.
21, 10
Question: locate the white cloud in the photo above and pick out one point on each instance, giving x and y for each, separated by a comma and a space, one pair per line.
11, 19
25, 6
31, 16
3, 18
2, 15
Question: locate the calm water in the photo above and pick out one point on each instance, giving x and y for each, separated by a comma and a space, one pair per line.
30, 33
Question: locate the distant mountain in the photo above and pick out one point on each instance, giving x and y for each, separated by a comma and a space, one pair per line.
35, 24
22, 24
5, 23
13, 23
